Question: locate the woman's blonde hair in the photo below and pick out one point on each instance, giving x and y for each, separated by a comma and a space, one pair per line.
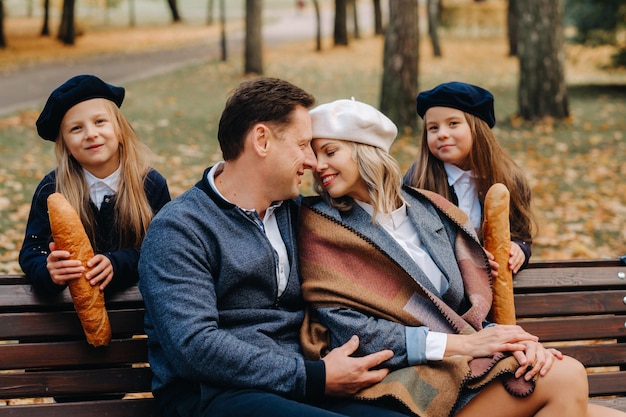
490, 164
381, 174
133, 212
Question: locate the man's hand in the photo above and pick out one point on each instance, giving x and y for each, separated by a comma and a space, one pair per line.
346, 375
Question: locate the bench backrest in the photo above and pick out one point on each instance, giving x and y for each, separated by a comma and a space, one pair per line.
44, 355
579, 307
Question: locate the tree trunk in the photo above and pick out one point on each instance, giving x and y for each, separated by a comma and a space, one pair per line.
67, 29
223, 29
400, 64
209, 16
542, 87
433, 25
253, 43
3, 42
132, 13
45, 28
378, 18
355, 20
318, 30
511, 20
340, 34
174, 9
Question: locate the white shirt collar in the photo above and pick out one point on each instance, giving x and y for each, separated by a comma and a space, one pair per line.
391, 220
455, 173
101, 187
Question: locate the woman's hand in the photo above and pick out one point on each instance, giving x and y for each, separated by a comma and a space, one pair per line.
516, 258
535, 359
501, 338
61, 268
101, 271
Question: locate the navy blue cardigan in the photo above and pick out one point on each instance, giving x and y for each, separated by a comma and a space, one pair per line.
38, 235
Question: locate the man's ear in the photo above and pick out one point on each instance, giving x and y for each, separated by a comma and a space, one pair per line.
261, 138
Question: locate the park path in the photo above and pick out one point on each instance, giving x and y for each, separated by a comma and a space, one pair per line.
31, 85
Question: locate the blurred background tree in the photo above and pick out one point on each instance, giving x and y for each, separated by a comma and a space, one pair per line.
400, 64
542, 92
598, 22
3, 43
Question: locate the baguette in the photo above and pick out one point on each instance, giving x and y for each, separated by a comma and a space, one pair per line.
69, 234
497, 240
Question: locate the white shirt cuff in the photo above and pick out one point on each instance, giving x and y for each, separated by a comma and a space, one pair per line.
435, 345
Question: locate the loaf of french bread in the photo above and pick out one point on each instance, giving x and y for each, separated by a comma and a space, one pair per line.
497, 240
69, 234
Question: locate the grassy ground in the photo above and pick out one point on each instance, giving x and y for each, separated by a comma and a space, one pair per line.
576, 168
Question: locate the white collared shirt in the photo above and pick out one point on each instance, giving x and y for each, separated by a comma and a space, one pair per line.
269, 225
398, 225
99, 188
465, 189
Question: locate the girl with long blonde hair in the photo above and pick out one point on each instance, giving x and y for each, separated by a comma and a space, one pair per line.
104, 173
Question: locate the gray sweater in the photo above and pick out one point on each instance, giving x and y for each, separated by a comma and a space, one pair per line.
207, 276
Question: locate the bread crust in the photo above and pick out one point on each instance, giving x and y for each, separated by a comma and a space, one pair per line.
69, 234
497, 240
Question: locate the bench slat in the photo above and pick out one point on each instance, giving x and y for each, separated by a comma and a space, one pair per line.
607, 383
554, 278
20, 326
22, 298
111, 408
576, 328
595, 355
570, 303
63, 354
616, 403
48, 384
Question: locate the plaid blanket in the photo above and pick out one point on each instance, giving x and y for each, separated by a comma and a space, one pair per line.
340, 267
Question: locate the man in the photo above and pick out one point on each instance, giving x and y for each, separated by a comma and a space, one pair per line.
219, 276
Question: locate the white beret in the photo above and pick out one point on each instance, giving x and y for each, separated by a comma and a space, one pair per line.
353, 121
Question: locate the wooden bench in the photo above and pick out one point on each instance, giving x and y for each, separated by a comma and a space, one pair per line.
577, 306
44, 355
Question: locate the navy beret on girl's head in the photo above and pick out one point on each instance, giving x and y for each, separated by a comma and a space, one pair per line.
75, 90
461, 96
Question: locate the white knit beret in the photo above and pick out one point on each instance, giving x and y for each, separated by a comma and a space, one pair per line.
353, 121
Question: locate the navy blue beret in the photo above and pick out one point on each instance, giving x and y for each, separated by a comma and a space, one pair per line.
461, 96
75, 90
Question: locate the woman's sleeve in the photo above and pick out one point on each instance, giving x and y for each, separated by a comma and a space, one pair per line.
375, 335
